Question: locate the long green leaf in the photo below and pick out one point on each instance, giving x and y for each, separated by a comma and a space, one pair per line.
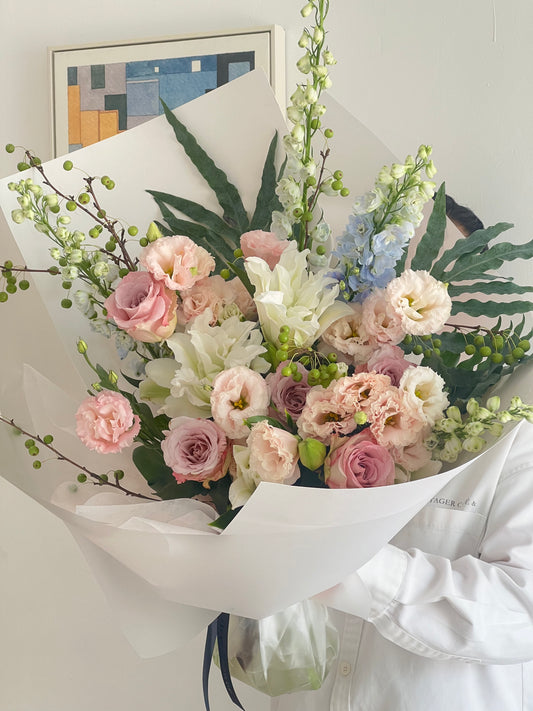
226, 193
467, 245
474, 266
431, 242
196, 212
267, 200
492, 287
491, 309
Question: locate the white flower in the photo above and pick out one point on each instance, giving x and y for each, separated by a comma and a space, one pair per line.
245, 481
202, 352
423, 391
281, 225
422, 303
290, 295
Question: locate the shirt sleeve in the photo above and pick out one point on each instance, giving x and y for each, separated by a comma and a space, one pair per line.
476, 609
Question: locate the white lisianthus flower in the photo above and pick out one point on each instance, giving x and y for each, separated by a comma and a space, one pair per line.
245, 481
281, 225
421, 301
290, 295
201, 353
423, 392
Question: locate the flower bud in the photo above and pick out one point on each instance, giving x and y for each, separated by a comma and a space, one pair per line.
17, 216
82, 346
303, 42
319, 110
493, 403
473, 429
295, 114
311, 94
153, 232
307, 10
454, 413
328, 57
318, 35
360, 418
113, 377
397, 171
298, 132
321, 71
430, 169
304, 64
474, 444
312, 453
63, 220
472, 407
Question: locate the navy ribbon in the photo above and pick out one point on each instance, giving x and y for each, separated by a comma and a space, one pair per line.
218, 632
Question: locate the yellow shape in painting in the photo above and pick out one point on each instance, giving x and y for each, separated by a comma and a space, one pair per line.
90, 132
108, 124
74, 122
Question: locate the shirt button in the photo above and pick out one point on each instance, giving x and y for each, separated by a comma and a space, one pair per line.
345, 668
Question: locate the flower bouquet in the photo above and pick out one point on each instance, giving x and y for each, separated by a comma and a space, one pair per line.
281, 381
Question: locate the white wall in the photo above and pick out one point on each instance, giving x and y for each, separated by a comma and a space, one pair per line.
457, 75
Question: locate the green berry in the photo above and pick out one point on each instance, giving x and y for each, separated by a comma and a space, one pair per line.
337, 185
22, 166
123, 272
3, 297
53, 270
82, 478
332, 357
93, 232
281, 355
479, 341
118, 474
71, 205
307, 216
33, 451
470, 349
518, 353
84, 198
509, 359
66, 303
55, 209
37, 464
427, 353
24, 284
285, 329
311, 180
437, 343
105, 180
111, 245
338, 174
225, 274
345, 192
67, 285
29, 443
104, 478
297, 377
10, 148
132, 230
110, 185
496, 357
417, 350
8, 264
35, 160
48, 439
68, 165
408, 339
143, 242
328, 133
525, 345
315, 123
436, 351
101, 214
320, 250
286, 371
485, 351
283, 337
11, 288
62, 261
498, 342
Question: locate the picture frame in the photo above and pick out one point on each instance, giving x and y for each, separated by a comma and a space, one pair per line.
101, 89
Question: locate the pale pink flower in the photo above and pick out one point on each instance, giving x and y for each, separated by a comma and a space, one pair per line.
238, 393
143, 307
106, 423
423, 393
422, 303
273, 454
359, 462
325, 415
382, 323
358, 392
348, 335
389, 360
208, 293
178, 261
414, 456
239, 295
264, 245
288, 395
196, 450
392, 423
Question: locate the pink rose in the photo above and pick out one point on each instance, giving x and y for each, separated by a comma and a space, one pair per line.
273, 454
264, 245
177, 261
389, 360
106, 423
196, 450
359, 463
238, 393
288, 395
143, 307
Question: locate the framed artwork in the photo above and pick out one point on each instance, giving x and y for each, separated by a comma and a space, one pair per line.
100, 90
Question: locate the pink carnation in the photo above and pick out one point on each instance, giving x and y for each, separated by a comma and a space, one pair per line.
359, 463
106, 423
264, 245
196, 450
177, 261
238, 393
143, 307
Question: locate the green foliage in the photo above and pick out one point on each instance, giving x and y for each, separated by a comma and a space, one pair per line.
219, 235
149, 461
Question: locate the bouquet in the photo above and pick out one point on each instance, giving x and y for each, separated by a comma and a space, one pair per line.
270, 370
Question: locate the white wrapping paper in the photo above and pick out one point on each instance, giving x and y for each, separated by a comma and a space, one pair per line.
164, 571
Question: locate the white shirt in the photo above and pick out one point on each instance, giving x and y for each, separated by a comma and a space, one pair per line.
451, 619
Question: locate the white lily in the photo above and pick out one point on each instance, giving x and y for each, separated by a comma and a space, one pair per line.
290, 295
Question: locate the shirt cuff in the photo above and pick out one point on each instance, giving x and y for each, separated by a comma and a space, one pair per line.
382, 576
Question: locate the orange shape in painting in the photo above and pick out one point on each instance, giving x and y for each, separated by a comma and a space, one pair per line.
74, 121
90, 132
108, 124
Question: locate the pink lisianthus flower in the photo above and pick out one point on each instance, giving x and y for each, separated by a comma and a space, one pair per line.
264, 245
288, 396
106, 423
325, 416
421, 302
177, 261
393, 424
273, 454
359, 462
196, 450
358, 392
208, 293
238, 393
349, 336
382, 323
143, 307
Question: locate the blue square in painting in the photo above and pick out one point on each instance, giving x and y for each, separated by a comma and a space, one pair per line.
143, 98
237, 69
177, 89
72, 77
